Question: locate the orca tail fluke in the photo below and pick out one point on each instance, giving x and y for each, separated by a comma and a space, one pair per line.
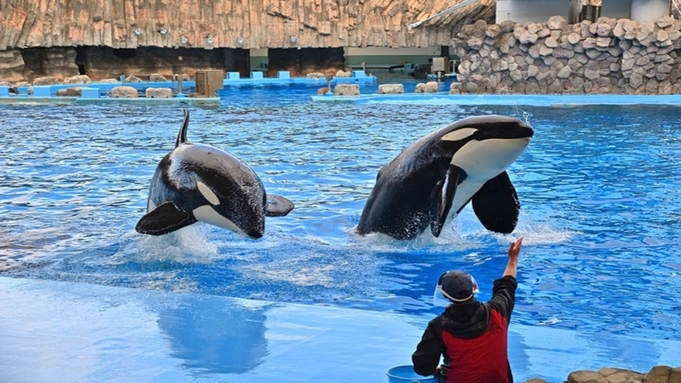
278, 206
496, 205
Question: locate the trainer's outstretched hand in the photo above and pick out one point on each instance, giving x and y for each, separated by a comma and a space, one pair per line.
514, 249
513, 252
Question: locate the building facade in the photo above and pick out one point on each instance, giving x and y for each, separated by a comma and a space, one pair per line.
521, 11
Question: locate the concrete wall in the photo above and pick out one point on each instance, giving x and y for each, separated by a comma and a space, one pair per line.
619, 9
649, 10
355, 56
522, 11
258, 59
389, 56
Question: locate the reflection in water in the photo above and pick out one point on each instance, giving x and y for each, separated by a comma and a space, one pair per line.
215, 336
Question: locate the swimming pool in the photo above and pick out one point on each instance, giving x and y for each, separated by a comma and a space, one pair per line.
598, 188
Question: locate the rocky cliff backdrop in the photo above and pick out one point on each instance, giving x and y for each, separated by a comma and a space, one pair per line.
105, 38
220, 23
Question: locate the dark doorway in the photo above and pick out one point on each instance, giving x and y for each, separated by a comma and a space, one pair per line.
300, 62
81, 55
238, 60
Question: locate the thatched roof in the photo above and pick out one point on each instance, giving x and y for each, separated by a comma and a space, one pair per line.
220, 23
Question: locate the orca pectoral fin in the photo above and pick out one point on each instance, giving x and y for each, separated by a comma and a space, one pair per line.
441, 199
496, 204
164, 219
277, 206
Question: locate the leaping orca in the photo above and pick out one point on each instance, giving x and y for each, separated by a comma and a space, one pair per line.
196, 182
436, 177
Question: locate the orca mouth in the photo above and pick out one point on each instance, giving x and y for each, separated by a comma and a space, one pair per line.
251, 233
255, 234
249, 230
528, 132
522, 131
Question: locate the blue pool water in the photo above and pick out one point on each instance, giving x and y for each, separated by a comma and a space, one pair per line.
599, 188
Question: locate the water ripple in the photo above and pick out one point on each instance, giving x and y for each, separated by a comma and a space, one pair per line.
599, 187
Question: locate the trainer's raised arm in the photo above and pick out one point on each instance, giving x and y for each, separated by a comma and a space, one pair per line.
513, 252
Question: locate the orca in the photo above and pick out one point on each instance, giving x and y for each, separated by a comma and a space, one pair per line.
434, 178
196, 182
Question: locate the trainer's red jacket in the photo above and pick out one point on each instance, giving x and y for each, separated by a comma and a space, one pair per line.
472, 338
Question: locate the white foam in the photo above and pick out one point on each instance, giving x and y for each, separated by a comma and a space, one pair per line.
187, 245
380, 242
549, 321
312, 264
295, 272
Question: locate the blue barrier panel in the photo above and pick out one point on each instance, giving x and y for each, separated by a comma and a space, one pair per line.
283, 74
233, 75
358, 73
89, 92
42, 90
256, 75
4, 91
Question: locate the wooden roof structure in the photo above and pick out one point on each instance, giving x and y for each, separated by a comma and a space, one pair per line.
244, 24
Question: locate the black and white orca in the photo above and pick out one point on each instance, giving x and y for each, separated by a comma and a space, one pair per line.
196, 182
436, 177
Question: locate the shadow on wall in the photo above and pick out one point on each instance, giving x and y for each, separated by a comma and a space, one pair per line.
300, 62
105, 63
58, 62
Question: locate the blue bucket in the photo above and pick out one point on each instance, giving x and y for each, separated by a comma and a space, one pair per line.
406, 374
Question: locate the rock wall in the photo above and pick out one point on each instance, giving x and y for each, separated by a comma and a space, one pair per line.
219, 23
11, 66
57, 62
657, 374
608, 56
28, 64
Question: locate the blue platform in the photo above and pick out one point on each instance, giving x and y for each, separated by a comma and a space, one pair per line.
96, 93
561, 100
284, 78
70, 332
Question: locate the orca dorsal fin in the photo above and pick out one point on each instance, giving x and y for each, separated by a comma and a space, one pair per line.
442, 197
182, 135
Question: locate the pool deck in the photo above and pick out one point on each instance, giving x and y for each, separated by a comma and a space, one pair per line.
564, 100
72, 332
